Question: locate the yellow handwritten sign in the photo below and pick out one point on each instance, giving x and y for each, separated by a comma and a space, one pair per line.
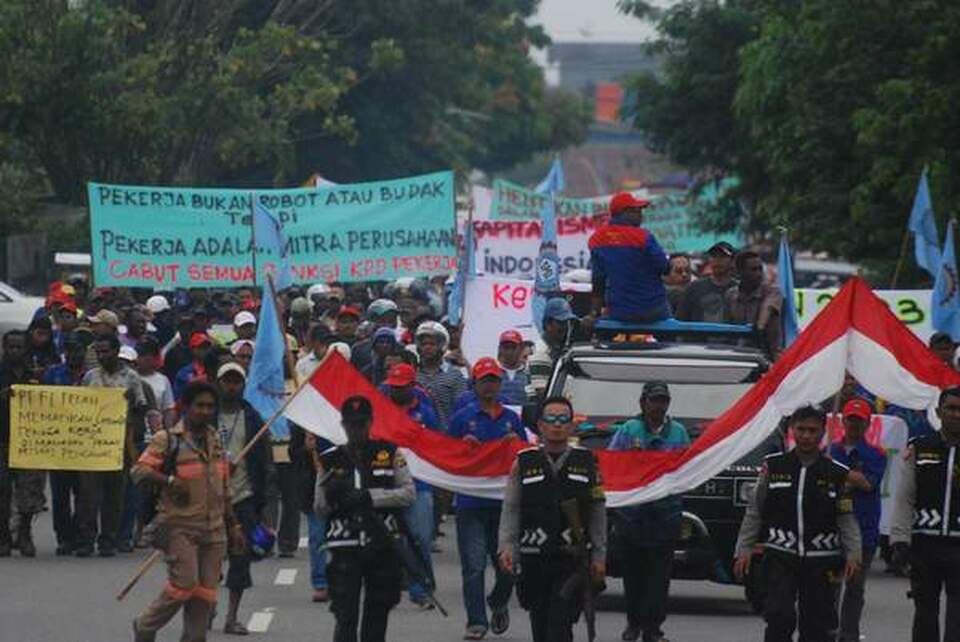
67, 428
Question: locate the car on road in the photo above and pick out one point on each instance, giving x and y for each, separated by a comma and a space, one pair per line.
16, 308
604, 379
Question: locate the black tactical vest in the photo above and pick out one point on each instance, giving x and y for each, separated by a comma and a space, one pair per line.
376, 470
801, 505
543, 528
937, 506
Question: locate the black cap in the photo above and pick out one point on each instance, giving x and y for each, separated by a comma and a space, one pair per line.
941, 338
356, 408
655, 389
721, 249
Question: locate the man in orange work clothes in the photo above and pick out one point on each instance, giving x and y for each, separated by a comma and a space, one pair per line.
194, 515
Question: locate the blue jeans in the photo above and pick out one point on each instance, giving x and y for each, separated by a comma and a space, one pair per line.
477, 540
419, 518
317, 538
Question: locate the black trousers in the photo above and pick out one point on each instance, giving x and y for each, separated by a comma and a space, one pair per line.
807, 585
238, 573
935, 567
65, 498
646, 582
538, 589
283, 507
378, 575
100, 504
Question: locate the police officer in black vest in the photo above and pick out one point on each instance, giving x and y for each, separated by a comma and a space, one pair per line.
805, 521
925, 529
534, 531
362, 489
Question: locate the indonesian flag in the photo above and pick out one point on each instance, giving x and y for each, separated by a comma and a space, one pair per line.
856, 332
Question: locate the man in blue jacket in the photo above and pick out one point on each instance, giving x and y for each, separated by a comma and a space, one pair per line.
646, 534
478, 518
628, 264
867, 465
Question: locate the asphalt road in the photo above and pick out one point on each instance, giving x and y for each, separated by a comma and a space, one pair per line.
51, 599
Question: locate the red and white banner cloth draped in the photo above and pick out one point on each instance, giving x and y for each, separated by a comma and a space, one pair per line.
856, 332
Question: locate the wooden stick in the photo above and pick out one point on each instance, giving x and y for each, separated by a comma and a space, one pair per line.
903, 254
266, 426
140, 572
288, 355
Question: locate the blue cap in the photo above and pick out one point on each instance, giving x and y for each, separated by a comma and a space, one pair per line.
558, 309
385, 333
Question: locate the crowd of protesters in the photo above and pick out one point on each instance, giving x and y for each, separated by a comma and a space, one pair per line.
155, 345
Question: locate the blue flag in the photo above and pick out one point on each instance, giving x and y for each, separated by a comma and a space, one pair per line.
926, 240
791, 327
547, 278
466, 268
945, 298
269, 239
554, 181
265, 382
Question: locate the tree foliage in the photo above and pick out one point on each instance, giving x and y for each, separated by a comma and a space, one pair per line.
826, 111
468, 94
265, 92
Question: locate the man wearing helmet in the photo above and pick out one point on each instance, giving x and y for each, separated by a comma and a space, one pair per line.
443, 381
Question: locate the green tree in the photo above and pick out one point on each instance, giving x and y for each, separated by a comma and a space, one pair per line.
165, 92
685, 109
468, 95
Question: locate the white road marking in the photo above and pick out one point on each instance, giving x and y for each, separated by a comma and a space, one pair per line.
286, 577
260, 621
304, 542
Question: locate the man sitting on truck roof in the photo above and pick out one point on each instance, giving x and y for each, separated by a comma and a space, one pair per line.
627, 265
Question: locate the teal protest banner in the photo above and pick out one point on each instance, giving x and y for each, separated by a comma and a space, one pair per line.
183, 237
676, 219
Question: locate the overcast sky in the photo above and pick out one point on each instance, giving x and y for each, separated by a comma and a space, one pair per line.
589, 20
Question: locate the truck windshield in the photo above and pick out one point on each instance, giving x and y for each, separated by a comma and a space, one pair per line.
608, 390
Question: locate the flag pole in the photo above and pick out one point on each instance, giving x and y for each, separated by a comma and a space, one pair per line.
253, 237
900, 259
288, 355
467, 253
276, 415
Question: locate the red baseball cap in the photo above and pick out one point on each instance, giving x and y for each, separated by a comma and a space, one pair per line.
197, 339
511, 336
487, 367
400, 374
857, 408
625, 200
349, 310
69, 306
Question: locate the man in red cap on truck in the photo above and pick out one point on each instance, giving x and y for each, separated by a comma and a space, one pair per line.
627, 264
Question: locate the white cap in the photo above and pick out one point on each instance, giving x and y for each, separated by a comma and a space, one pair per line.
236, 345
317, 288
157, 303
231, 367
342, 348
244, 318
128, 354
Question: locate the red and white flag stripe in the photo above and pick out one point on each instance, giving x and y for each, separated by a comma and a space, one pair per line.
855, 332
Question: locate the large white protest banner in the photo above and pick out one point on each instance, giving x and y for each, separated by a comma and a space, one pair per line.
494, 304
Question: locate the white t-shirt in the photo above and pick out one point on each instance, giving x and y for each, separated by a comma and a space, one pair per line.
162, 389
